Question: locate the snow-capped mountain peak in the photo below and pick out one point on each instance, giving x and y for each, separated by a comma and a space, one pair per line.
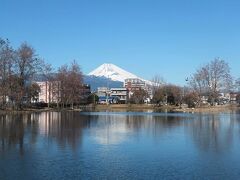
113, 72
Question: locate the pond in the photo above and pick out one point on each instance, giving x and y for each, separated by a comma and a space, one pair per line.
118, 145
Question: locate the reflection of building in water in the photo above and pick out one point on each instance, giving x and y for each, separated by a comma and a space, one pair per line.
109, 129
116, 128
48, 121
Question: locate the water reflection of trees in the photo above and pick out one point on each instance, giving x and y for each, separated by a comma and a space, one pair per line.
22, 131
18, 131
214, 132
13, 129
64, 128
154, 122
210, 132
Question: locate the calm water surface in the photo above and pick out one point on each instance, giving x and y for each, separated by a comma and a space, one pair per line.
53, 145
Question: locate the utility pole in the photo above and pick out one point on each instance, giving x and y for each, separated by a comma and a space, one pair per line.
107, 89
186, 80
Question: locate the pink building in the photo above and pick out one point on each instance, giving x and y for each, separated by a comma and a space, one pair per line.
49, 92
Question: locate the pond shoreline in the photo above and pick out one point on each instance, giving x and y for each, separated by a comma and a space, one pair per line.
132, 108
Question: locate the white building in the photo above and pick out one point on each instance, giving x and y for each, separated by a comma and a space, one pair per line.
121, 93
135, 84
102, 91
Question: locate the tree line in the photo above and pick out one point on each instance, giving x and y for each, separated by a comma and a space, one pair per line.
209, 81
19, 67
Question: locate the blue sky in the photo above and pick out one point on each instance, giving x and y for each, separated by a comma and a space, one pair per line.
170, 38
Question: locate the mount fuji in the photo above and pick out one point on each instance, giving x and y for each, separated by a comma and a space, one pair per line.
111, 75
112, 72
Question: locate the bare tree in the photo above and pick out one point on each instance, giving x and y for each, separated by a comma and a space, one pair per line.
14, 91
6, 63
220, 78
237, 84
27, 64
238, 98
139, 96
168, 94
71, 84
33, 92
212, 78
157, 82
76, 83
200, 81
62, 79
191, 99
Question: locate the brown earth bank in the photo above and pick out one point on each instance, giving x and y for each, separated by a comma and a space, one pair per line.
154, 108
210, 109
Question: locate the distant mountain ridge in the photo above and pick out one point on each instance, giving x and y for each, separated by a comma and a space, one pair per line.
96, 82
116, 73
112, 72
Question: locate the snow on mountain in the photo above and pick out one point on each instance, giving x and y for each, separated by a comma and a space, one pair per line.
112, 72
115, 73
